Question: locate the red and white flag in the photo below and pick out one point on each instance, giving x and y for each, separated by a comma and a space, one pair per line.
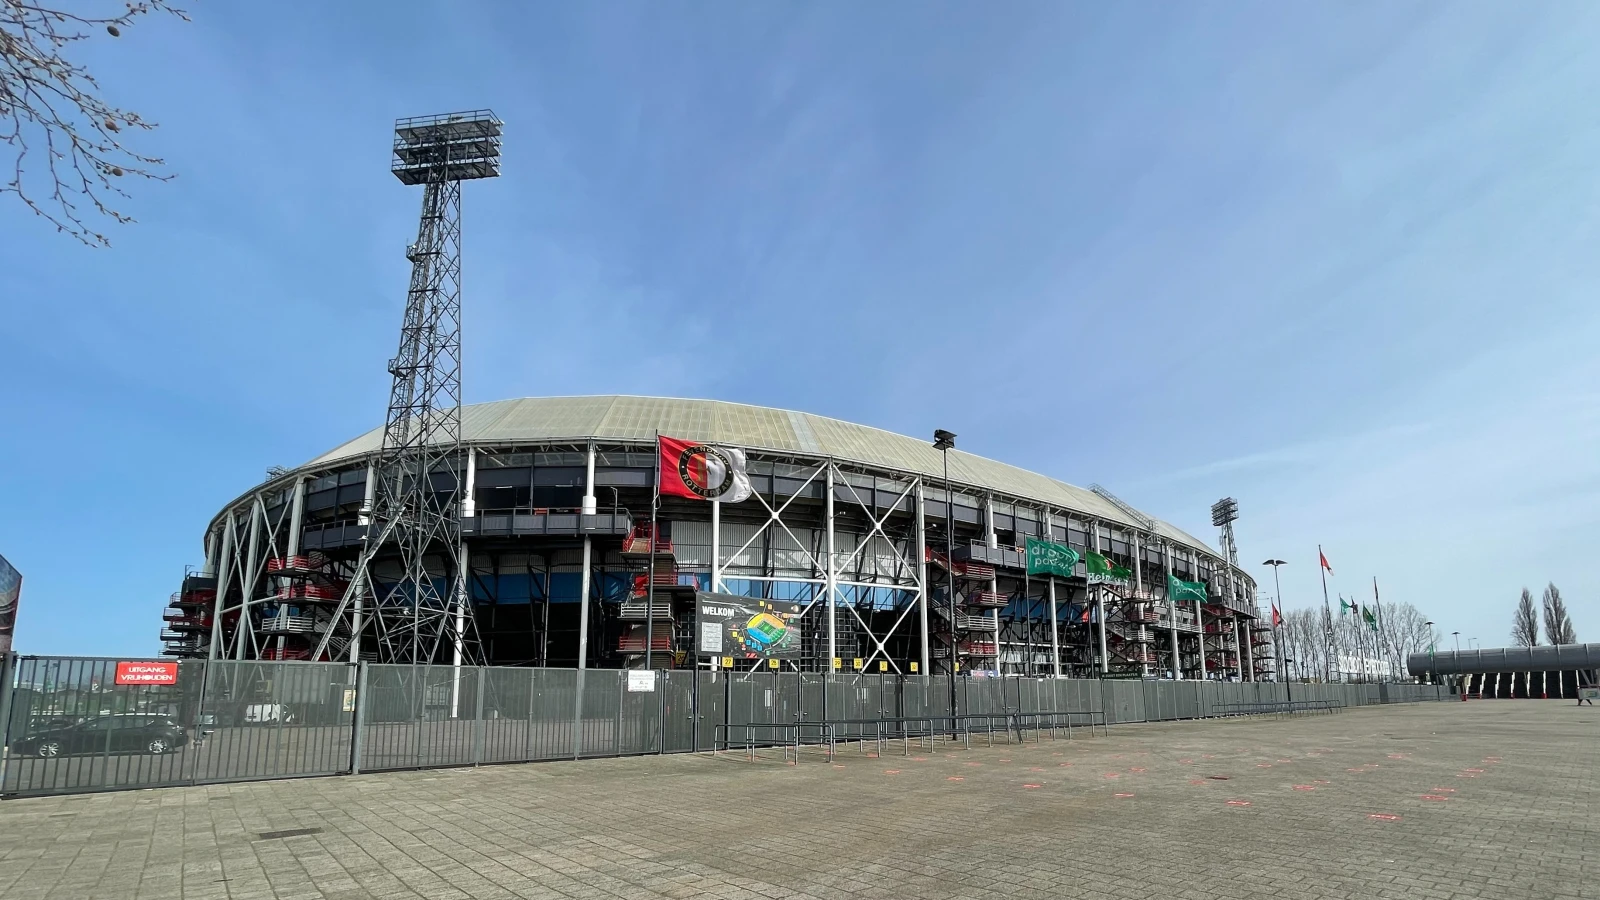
1324, 559
701, 471
1277, 619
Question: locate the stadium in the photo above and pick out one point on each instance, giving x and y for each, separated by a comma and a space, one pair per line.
552, 500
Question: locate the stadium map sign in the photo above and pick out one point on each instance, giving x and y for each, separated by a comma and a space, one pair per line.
746, 627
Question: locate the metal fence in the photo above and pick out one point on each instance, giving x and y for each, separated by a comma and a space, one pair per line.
70, 727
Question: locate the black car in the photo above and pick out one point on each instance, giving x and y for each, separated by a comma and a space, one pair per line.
125, 733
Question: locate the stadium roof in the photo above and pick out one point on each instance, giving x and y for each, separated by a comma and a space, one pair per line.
621, 418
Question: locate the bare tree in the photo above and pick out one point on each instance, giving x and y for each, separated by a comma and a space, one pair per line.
64, 139
1525, 622
1557, 627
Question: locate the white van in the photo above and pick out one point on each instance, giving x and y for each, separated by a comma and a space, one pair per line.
267, 714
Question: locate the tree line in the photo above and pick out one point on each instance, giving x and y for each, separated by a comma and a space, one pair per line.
1314, 640
1558, 627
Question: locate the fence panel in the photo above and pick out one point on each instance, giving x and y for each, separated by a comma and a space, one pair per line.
72, 728
273, 720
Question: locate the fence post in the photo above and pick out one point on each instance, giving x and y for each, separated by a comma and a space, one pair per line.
358, 718
477, 717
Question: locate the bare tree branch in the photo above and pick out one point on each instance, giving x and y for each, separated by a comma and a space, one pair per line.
1525, 622
63, 138
1557, 627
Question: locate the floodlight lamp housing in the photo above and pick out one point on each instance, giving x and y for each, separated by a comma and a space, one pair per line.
1224, 511
943, 440
449, 147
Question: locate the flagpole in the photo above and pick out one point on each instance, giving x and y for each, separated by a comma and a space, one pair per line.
1327, 614
1379, 605
650, 576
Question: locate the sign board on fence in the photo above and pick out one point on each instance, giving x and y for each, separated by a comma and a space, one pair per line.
642, 681
1589, 693
747, 627
349, 702
147, 673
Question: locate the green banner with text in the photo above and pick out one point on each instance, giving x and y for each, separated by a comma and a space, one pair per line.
1178, 589
1046, 558
1103, 570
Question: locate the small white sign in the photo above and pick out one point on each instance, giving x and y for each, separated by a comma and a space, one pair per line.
711, 637
641, 682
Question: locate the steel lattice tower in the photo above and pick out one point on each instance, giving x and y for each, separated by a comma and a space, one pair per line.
414, 518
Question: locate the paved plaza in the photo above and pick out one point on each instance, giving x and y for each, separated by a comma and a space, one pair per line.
1492, 799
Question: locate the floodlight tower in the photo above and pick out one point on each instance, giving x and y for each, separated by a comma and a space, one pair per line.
1224, 513
414, 516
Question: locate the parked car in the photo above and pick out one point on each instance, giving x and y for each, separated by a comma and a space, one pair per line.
125, 733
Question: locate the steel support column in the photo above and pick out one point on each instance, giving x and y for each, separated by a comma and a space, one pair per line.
223, 576
829, 589
922, 578
1055, 630
1172, 612
248, 582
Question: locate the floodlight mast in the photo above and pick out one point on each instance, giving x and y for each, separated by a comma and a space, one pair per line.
416, 505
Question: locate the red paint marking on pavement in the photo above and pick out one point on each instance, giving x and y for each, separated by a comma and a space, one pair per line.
1209, 756
974, 764
1005, 760
1032, 786
1136, 769
1397, 756
955, 778
1384, 817
1323, 781
1492, 759
1465, 775
1197, 781
838, 767
891, 771
1238, 802
1443, 790
1434, 797
1304, 787
1185, 761
1122, 795
872, 756
1356, 770
919, 759
1112, 775
1475, 771
1063, 765
1035, 769
1263, 765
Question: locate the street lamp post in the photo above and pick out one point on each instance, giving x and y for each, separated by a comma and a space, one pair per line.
1458, 640
1277, 598
1470, 642
1431, 658
944, 442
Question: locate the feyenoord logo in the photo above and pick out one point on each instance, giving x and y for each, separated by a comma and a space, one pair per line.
702, 471
706, 470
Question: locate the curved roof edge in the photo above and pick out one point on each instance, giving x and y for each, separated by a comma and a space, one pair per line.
1553, 658
617, 417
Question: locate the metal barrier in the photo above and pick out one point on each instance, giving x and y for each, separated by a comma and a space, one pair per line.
75, 724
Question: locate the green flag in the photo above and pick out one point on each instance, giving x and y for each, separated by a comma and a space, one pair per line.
1178, 589
1101, 570
1372, 621
1047, 558
1344, 607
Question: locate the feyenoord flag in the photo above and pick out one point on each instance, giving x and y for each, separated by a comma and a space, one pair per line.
702, 471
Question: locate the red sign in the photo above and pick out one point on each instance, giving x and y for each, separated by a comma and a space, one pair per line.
147, 673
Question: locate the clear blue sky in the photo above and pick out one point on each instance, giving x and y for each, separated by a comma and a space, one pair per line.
1335, 260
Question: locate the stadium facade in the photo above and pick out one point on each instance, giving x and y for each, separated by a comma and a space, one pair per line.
838, 510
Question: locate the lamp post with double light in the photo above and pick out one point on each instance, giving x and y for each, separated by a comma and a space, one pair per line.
1277, 600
